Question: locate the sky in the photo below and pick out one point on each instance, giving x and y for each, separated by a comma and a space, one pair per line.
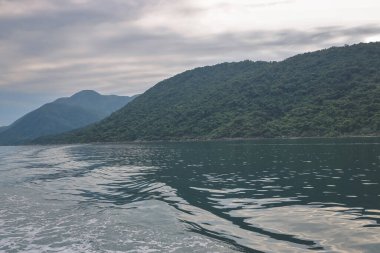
54, 48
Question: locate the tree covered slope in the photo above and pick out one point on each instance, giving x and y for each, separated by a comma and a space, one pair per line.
64, 114
332, 92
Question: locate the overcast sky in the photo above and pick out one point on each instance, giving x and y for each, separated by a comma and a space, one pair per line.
54, 48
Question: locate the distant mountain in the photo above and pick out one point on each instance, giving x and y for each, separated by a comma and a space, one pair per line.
2, 128
331, 92
64, 114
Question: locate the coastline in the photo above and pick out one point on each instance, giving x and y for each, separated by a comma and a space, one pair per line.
209, 140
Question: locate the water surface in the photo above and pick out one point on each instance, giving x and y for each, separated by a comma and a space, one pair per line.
234, 196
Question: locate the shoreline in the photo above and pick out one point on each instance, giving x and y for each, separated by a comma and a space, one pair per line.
207, 140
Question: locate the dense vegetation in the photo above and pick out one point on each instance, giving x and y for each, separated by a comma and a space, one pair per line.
332, 92
64, 114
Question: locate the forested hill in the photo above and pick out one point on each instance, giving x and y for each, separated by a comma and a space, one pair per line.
332, 92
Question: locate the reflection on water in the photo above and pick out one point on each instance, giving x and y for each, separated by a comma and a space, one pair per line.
250, 196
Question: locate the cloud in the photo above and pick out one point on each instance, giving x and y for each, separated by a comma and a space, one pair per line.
53, 48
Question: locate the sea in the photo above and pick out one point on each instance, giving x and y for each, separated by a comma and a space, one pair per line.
270, 195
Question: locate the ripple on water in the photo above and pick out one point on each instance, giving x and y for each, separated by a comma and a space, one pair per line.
66, 227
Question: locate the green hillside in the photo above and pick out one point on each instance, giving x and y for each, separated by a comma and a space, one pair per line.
332, 92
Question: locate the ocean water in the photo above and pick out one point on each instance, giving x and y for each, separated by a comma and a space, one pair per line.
305, 195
